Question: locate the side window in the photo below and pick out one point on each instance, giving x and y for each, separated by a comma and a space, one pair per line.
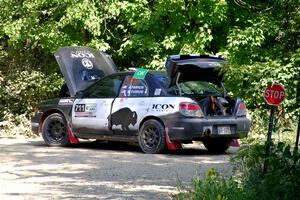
133, 87
105, 88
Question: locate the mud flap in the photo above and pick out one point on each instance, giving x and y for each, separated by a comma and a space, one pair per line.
172, 145
72, 138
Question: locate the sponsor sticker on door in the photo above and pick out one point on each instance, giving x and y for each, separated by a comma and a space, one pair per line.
85, 110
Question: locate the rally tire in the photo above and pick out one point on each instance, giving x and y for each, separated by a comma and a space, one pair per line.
152, 138
55, 131
216, 145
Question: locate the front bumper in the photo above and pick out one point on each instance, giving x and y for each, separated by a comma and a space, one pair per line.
35, 125
199, 128
35, 128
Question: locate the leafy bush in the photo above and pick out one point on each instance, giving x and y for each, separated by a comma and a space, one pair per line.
281, 181
15, 125
20, 92
284, 129
213, 186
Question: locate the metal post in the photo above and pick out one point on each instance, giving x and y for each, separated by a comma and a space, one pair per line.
298, 105
268, 144
297, 137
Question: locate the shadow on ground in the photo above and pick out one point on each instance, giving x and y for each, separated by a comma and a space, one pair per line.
98, 170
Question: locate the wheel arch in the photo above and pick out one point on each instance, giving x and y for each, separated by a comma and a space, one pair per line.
171, 145
151, 117
49, 112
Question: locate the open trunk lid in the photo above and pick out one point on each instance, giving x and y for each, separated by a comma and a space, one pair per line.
82, 66
194, 67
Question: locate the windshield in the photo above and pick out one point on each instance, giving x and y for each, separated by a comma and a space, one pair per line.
195, 88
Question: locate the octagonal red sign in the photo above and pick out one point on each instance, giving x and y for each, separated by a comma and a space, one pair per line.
274, 95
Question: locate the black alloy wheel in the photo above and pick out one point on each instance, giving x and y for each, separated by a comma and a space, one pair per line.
152, 137
55, 130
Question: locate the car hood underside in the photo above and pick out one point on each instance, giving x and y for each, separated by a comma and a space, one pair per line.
182, 68
82, 66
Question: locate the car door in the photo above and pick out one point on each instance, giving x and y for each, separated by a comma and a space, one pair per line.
130, 107
90, 113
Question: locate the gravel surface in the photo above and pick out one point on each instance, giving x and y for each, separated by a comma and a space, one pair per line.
31, 170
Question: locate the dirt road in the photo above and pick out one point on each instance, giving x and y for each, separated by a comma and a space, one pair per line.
31, 170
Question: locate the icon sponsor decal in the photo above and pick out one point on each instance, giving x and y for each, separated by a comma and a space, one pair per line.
87, 63
85, 110
82, 54
163, 107
65, 102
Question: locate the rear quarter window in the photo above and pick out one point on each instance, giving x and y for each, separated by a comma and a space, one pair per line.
133, 87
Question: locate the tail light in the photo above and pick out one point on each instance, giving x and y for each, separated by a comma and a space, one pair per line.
241, 111
190, 110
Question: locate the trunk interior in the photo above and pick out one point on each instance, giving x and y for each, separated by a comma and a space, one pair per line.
216, 105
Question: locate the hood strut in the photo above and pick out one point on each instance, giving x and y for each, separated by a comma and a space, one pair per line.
224, 89
177, 84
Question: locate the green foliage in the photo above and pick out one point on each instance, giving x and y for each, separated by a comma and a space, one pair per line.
259, 38
15, 125
282, 180
213, 186
21, 91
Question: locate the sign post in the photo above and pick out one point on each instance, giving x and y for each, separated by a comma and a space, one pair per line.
297, 137
274, 95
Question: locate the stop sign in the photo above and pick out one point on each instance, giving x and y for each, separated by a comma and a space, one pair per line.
274, 95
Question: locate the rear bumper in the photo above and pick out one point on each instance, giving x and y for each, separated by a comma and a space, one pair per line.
198, 128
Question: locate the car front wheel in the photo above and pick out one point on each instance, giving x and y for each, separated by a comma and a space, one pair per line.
55, 130
152, 137
217, 145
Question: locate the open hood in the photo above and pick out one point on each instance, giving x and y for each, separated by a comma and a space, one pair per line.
194, 67
82, 66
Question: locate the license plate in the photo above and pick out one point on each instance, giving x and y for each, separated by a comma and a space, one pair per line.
224, 130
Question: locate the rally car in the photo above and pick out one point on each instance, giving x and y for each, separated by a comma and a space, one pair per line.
157, 109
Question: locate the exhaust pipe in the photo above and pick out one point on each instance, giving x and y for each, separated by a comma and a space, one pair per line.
207, 132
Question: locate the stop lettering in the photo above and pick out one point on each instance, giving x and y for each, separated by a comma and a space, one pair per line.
274, 95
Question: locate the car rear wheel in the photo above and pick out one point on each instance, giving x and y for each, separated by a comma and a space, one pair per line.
217, 145
55, 130
152, 137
